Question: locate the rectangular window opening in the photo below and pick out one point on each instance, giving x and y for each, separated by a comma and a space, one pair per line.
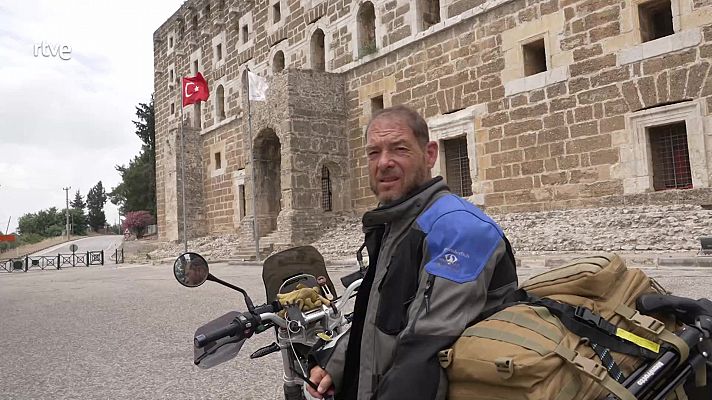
195, 67
276, 13
218, 161
170, 42
670, 157
534, 57
457, 166
218, 52
376, 104
245, 33
198, 117
241, 190
655, 19
173, 108
431, 13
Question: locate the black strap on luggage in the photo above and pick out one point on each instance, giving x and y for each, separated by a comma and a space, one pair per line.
579, 320
587, 324
607, 360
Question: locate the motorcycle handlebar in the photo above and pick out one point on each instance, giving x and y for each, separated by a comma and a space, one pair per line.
229, 330
687, 310
314, 315
244, 325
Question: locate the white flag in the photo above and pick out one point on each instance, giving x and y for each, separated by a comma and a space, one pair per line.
258, 87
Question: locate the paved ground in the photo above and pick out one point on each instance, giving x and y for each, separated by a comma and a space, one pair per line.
108, 243
115, 333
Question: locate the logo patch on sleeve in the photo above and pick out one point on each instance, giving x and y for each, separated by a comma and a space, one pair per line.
460, 242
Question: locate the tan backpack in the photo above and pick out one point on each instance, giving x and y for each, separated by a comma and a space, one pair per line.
529, 352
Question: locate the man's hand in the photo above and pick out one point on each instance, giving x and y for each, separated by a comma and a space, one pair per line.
322, 378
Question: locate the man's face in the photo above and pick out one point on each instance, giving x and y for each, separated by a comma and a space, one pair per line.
193, 275
397, 164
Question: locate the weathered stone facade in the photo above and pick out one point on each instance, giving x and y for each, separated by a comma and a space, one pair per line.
574, 135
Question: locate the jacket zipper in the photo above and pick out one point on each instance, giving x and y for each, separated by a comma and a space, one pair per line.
428, 291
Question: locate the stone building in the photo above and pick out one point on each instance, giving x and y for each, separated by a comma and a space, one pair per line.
537, 105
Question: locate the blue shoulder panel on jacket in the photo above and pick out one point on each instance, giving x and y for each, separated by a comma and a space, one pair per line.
460, 237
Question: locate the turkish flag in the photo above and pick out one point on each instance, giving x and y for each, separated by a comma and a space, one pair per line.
195, 89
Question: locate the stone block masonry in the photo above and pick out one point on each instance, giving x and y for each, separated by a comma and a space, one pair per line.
575, 135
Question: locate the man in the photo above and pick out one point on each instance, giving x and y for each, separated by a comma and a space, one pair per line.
435, 262
196, 272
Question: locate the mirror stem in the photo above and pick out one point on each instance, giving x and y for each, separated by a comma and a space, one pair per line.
248, 301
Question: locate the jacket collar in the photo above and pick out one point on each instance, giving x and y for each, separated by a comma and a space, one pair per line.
407, 207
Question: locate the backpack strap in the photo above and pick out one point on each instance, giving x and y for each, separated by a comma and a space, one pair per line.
595, 371
656, 328
585, 323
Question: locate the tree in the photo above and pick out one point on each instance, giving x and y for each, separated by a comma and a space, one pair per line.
137, 190
79, 221
78, 202
77, 216
96, 198
137, 221
44, 223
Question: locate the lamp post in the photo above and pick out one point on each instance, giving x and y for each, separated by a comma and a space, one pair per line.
66, 190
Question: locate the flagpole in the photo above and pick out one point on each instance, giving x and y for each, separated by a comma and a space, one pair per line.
182, 170
255, 228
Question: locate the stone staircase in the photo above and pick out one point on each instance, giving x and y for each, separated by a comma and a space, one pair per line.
245, 249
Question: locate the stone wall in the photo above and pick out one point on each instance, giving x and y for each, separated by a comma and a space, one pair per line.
560, 139
570, 137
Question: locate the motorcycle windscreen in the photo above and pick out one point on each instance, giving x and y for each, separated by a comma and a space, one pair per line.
221, 350
281, 266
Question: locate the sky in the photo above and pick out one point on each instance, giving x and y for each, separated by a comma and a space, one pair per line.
67, 118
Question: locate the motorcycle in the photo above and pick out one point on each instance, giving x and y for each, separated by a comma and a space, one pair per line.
297, 331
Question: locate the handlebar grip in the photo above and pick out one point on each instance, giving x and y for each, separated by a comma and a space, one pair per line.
234, 328
685, 309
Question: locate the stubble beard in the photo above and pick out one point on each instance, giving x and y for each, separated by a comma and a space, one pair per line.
420, 176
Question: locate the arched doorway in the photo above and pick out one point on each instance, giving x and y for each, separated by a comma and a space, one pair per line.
268, 167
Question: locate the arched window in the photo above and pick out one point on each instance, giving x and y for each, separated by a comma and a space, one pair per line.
278, 62
325, 189
195, 22
245, 82
366, 29
220, 103
317, 51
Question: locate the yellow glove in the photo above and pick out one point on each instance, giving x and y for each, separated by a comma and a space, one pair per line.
305, 297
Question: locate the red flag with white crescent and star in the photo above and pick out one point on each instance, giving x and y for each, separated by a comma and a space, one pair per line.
195, 89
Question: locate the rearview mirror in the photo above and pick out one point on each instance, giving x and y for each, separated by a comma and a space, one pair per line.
191, 269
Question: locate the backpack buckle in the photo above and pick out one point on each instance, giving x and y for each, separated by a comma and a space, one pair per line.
589, 317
